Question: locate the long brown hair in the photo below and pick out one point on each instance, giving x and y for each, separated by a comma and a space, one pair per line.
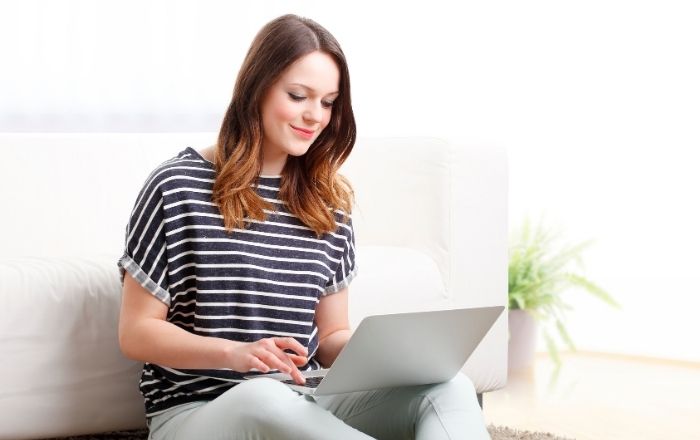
310, 185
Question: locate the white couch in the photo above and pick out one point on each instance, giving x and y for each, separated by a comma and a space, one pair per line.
431, 228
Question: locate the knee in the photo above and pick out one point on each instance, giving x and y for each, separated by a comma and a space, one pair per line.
459, 390
463, 383
260, 393
264, 405
246, 409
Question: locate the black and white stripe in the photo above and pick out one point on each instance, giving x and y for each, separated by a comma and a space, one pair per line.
261, 281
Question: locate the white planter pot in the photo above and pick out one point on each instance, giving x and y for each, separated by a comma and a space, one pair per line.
521, 343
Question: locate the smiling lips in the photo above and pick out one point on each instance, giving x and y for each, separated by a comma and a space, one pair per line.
306, 134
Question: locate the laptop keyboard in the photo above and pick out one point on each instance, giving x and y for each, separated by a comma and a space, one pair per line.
311, 382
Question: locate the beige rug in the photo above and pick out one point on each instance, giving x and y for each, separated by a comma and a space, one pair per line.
504, 433
497, 433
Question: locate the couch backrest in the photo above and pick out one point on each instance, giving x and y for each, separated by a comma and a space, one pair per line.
70, 194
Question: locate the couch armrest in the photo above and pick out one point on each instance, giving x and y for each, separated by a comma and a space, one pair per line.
62, 371
479, 263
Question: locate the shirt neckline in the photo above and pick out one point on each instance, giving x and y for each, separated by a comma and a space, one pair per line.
196, 153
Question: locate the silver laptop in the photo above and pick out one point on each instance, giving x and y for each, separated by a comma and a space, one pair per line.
401, 349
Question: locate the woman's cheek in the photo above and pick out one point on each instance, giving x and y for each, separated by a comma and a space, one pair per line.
287, 112
326, 119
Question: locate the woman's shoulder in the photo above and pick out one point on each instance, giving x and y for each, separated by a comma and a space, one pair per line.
184, 169
187, 159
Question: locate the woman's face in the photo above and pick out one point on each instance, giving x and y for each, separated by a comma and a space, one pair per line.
298, 107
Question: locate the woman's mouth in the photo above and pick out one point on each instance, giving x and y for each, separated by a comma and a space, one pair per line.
305, 134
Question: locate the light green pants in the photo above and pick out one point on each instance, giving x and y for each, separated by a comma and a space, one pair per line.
266, 409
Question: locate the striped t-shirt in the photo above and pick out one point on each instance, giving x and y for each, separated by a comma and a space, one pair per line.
261, 281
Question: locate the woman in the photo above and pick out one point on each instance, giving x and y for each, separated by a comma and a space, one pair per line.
238, 259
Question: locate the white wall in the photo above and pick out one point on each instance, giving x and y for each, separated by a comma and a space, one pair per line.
596, 100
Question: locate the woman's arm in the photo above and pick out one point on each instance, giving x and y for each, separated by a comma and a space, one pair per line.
333, 326
145, 335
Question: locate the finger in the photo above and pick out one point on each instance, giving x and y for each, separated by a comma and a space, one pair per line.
284, 356
298, 377
291, 344
287, 358
274, 357
273, 361
258, 364
299, 361
295, 373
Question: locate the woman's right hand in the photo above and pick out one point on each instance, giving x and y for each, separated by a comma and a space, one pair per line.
267, 354
145, 335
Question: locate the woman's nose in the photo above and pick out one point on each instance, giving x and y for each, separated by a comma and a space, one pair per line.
314, 112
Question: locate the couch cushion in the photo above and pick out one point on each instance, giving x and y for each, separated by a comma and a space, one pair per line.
62, 368
394, 279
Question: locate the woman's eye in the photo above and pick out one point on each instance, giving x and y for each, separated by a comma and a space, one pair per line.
294, 97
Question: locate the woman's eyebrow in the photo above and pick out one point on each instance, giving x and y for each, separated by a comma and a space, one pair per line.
310, 89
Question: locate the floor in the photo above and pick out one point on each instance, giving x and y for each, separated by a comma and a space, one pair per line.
600, 396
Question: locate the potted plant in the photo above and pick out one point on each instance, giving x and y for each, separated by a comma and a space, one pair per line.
539, 273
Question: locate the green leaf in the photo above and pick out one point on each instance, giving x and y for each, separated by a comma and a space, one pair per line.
592, 288
565, 335
537, 275
516, 302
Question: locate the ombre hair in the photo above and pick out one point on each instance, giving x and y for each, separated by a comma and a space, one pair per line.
311, 185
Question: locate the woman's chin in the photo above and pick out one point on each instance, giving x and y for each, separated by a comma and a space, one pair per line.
298, 150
